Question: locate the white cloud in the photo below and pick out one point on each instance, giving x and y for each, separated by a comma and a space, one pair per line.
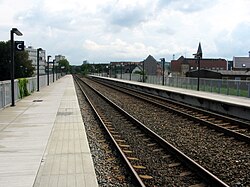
128, 13
108, 30
119, 50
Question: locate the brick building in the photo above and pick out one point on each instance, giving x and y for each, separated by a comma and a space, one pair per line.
183, 65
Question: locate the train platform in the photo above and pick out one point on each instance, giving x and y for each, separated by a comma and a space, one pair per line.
43, 140
231, 105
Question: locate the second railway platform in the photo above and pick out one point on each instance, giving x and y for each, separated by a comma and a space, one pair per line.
230, 105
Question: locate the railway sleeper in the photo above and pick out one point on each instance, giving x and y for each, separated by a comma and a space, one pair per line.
199, 115
145, 177
185, 173
174, 164
151, 144
166, 156
124, 145
127, 151
132, 158
204, 117
223, 124
198, 185
139, 167
113, 132
157, 150
239, 130
231, 127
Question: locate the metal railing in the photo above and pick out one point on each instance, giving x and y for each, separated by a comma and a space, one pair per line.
220, 86
5, 88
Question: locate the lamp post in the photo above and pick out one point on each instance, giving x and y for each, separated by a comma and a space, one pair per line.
56, 71
53, 70
143, 71
21, 67
37, 66
163, 70
130, 71
62, 68
48, 69
115, 71
198, 56
121, 70
110, 70
12, 62
107, 71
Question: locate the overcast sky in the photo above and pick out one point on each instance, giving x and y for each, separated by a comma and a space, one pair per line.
129, 30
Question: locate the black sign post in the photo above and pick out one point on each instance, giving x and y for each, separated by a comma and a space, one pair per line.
198, 56
12, 62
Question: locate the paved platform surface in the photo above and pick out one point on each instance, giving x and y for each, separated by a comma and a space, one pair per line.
235, 100
43, 140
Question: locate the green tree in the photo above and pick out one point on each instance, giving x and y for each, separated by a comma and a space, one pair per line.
23, 66
4, 61
75, 69
64, 65
85, 68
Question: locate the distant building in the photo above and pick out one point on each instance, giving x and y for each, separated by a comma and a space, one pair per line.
124, 63
220, 74
33, 57
183, 65
241, 63
123, 66
230, 64
154, 67
59, 57
151, 66
137, 69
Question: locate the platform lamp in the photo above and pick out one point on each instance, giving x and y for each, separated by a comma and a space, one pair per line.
198, 56
121, 69
110, 70
130, 71
56, 71
37, 66
48, 69
163, 70
12, 62
53, 70
143, 71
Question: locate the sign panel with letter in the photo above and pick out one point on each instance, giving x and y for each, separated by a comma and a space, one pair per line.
19, 45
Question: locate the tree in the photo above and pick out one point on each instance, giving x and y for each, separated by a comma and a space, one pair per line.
4, 61
85, 68
23, 66
64, 65
75, 69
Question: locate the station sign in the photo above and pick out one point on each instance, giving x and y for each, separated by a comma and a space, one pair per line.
19, 45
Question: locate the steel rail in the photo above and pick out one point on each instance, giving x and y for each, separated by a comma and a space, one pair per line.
191, 164
227, 131
136, 177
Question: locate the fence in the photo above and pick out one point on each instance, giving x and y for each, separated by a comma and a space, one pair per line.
5, 88
220, 86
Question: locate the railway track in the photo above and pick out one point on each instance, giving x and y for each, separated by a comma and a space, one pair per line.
221, 154
232, 127
151, 159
